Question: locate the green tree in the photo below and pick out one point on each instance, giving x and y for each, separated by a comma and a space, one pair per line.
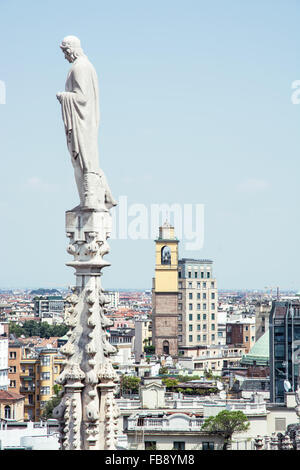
130, 384
226, 423
163, 371
170, 383
52, 403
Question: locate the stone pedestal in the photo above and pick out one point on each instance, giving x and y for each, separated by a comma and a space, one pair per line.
87, 413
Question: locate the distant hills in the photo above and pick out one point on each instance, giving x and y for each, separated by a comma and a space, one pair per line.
45, 292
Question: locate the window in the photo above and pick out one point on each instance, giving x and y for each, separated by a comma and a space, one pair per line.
7, 412
12, 384
12, 370
198, 327
204, 316
190, 327
213, 306
208, 446
204, 296
204, 306
180, 338
202, 274
180, 317
198, 307
190, 317
190, 274
150, 445
213, 337
198, 338
179, 274
213, 326
165, 255
166, 347
212, 316
45, 376
190, 338
198, 285
198, 316
179, 328
204, 285
179, 445
190, 306
280, 424
198, 296
179, 306
190, 285
212, 285
45, 360
190, 295
180, 285
12, 355
179, 296
30, 399
204, 337
208, 275
196, 274
212, 295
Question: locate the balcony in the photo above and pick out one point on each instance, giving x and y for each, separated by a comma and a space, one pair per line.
174, 423
27, 389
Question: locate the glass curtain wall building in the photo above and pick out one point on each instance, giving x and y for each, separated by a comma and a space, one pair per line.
284, 328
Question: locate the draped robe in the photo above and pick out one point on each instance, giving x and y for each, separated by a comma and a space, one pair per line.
81, 115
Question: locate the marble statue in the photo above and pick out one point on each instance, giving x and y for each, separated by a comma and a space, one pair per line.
81, 117
87, 413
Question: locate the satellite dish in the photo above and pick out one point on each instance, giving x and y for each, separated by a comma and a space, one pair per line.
287, 385
220, 386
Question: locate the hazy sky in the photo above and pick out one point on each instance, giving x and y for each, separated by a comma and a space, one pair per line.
196, 108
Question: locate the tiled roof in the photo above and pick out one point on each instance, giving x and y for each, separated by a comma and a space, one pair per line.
7, 395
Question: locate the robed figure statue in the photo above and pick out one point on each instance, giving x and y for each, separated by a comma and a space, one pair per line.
81, 117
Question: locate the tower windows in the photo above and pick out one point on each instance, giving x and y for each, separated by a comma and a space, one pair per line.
166, 255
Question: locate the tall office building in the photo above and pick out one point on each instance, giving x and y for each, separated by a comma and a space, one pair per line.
197, 305
165, 293
284, 330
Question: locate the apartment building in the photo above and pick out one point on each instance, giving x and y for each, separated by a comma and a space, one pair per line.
49, 307
241, 333
197, 305
33, 373
262, 313
3, 356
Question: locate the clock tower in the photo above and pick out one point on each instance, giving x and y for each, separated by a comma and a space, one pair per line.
165, 293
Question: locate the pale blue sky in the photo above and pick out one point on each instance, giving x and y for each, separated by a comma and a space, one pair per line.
196, 108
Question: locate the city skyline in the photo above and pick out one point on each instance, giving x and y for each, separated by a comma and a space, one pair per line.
196, 108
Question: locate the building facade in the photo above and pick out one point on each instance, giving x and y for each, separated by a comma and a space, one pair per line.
284, 343
241, 333
33, 374
4, 381
262, 313
49, 307
197, 304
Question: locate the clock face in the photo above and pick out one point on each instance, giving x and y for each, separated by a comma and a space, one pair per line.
166, 255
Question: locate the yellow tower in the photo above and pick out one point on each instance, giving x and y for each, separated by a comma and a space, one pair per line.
165, 293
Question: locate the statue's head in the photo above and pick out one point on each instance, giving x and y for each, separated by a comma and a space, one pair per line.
71, 48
